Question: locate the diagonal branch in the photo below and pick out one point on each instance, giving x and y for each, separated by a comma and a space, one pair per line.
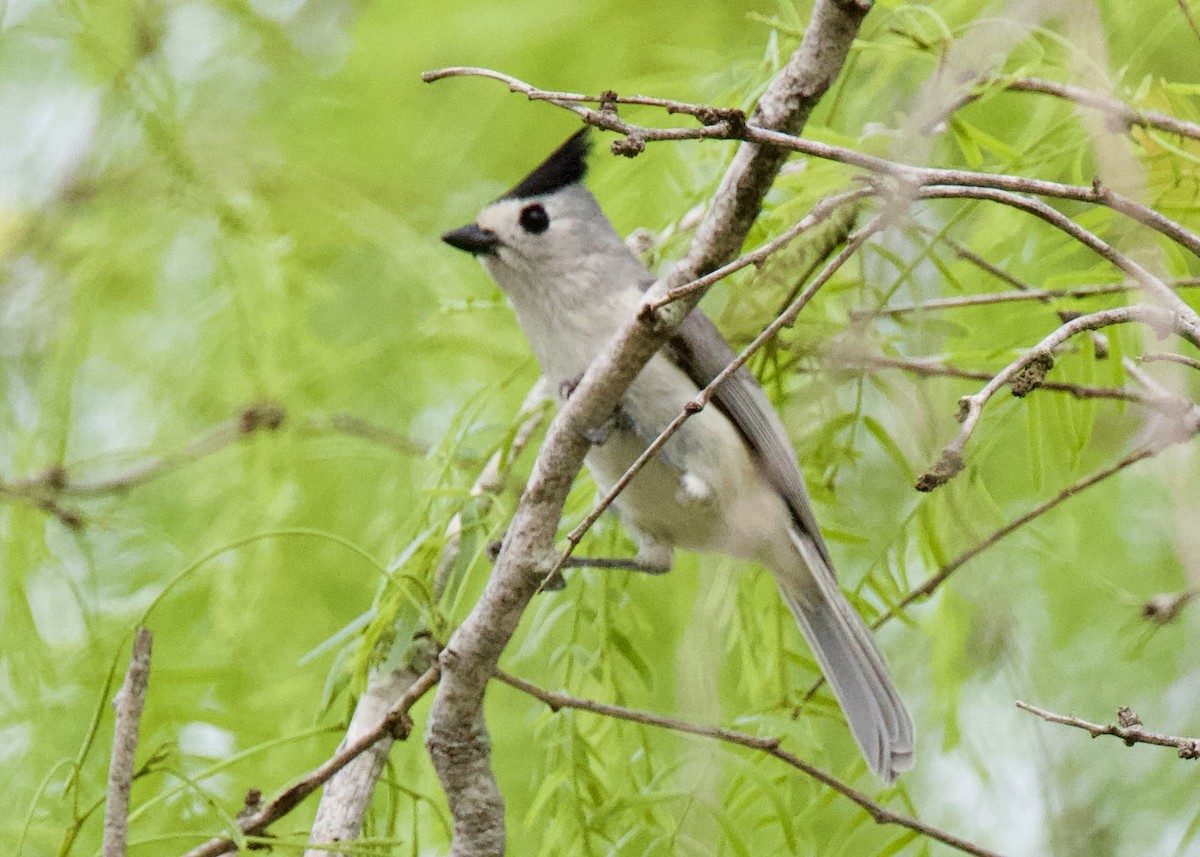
395, 723
1040, 295
1118, 112
348, 794
936, 369
1027, 373
129, 704
769, 745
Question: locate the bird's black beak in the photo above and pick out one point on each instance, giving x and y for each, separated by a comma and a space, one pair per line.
474, 239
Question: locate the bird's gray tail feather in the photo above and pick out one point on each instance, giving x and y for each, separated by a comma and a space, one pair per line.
850, 661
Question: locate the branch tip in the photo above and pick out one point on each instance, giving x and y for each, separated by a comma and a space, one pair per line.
628, 147
948, 466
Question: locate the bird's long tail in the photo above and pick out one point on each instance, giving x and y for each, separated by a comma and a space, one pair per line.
850, 661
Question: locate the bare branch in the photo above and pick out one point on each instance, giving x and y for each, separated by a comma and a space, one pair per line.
1190, 321
968, 255
769, 745
927, 588
1030, 294
937, 369
1120, 115
1128, 728
456, 736
129, 704
1161, 357
53, 483
395, 724
1027, 373
347, 796
946, 571
818, 215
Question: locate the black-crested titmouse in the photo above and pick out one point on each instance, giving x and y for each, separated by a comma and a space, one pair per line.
727, 482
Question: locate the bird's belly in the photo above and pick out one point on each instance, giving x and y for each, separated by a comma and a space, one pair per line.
701, 493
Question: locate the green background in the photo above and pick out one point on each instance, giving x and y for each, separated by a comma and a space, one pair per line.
209, 206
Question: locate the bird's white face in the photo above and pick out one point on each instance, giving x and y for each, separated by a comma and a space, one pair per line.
540, 240
564, 268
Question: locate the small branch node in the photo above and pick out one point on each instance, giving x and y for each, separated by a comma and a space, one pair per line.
949, 465
251, 805
55, 478
400, 725
1127, 718
265, 416
630, 146
448, 659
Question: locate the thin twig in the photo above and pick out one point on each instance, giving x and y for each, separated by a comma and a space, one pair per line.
47, 487
129, 704
1119, 112
927, 588
709, 115
769, 745
818, 215
1128, 728
937, 369
395, 723
968, 255
1166, 357
961, 301
1026, 374
1189, 320
1187, 13
944, 573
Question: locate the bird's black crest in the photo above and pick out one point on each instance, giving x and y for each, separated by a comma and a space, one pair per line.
565, 166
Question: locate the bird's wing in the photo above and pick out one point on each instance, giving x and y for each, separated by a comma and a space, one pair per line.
698, 348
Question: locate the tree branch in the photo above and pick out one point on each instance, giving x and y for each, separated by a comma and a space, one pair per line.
1029, 294
395, 724
1159, 357
129, 704
936, 369
1128, 728
456, 735
46, 489
1029, 372
348, 794
1118, 111
769, 745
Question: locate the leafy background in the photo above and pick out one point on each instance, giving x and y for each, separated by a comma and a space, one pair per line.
211, 206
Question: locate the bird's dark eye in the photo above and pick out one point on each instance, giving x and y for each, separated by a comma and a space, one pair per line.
534, 219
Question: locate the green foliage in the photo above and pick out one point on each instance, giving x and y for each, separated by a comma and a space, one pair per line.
210, 210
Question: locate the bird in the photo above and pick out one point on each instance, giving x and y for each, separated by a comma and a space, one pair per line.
728, 481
